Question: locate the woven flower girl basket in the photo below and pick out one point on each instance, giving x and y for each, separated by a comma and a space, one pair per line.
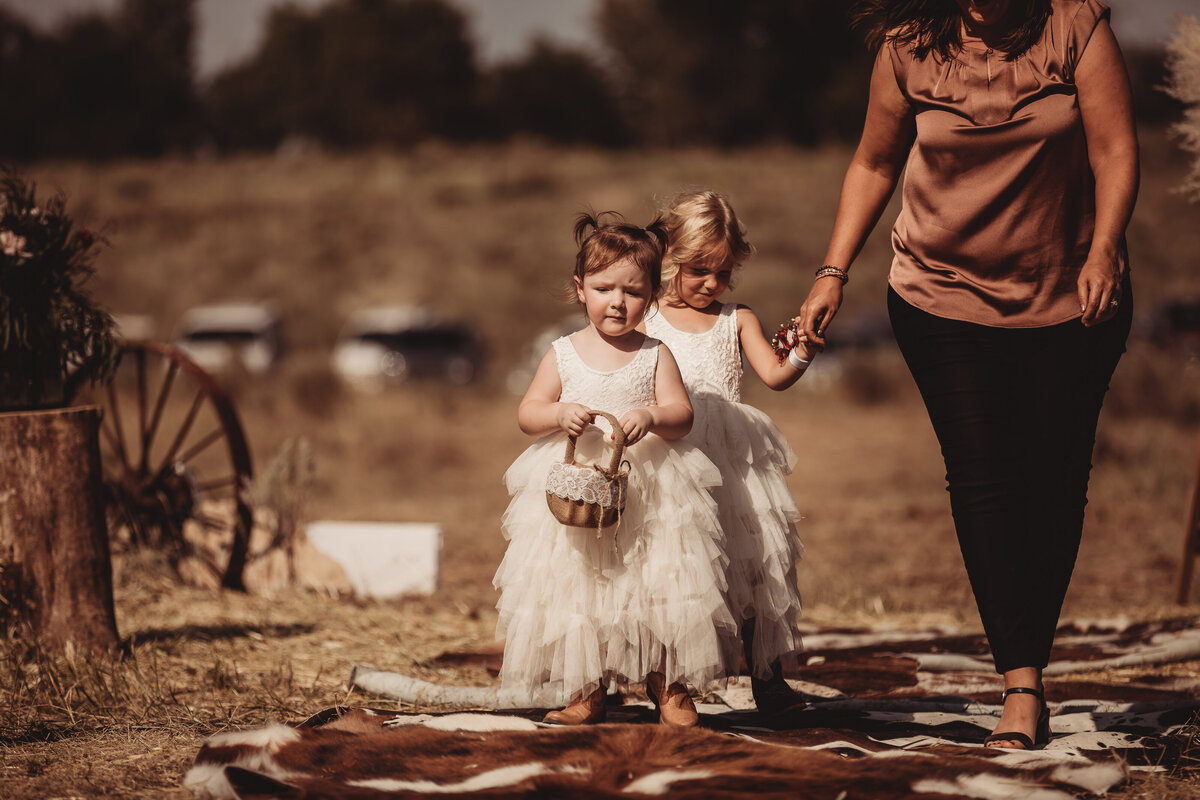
589, 495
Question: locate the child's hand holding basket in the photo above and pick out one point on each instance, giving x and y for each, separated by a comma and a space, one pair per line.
589, 495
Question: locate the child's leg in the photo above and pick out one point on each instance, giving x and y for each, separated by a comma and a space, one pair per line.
773, 693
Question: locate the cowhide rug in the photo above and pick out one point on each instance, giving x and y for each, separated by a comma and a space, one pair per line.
889, 715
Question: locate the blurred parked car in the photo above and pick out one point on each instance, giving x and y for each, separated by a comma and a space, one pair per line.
1175, 325
520, 376
388, 345
862, 331
226, 336
134, 326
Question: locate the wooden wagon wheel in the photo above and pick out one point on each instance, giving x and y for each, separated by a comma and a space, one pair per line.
174, 455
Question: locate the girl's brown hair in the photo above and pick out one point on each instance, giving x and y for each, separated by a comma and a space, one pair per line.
702, 226
606, 238
935, 26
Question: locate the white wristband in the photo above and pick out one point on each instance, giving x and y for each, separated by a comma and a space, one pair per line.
797, 362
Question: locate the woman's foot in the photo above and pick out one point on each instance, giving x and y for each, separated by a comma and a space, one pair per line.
585, 710
1024, 723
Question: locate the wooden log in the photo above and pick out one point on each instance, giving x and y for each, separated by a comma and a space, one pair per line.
418, 692
55, 570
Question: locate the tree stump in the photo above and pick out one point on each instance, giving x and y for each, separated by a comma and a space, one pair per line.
55, 570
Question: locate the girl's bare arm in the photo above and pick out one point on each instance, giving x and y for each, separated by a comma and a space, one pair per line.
671, 417
761, 356
541, 412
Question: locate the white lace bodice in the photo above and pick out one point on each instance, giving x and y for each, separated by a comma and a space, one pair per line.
711, 362
615, 391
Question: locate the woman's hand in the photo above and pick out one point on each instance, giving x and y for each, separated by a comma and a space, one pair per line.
824, 300
636, 425
1099, 290
573, 418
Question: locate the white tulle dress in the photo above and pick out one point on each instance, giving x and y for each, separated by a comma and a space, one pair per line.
757, 510
575, 609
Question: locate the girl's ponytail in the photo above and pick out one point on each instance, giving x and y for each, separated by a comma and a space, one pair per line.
658, 229
585, 221
606, 238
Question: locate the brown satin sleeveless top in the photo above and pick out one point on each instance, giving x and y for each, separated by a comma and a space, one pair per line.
998, 198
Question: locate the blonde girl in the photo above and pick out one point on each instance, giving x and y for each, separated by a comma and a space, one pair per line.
644, 600
709, 338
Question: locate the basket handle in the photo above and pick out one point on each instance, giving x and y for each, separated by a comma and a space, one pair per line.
618, 444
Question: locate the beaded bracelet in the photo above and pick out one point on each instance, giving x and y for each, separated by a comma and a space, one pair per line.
836, 272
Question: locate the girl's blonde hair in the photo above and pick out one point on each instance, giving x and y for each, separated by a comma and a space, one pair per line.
701, 225
606, 238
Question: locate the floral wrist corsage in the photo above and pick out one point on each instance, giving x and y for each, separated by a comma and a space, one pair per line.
785, 339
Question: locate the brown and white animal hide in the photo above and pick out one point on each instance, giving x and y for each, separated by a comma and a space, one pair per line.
373, 754
890, 715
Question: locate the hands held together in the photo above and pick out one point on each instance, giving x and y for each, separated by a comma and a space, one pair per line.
819, 309
1099, 290
790, 338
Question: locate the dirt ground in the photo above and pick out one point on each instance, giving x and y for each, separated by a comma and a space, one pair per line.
880, 551
474, 230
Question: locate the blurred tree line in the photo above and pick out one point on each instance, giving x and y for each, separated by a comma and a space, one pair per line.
99, 86
352, 73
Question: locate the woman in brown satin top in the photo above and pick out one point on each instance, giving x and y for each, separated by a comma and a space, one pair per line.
1009, 288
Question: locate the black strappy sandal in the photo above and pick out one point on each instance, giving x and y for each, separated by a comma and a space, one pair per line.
1041, 734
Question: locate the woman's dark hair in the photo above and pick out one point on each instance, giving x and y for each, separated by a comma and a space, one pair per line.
935, 26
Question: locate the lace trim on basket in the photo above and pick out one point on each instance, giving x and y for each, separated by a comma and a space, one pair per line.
589, 484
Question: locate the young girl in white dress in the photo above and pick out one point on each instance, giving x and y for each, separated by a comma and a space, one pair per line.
706, 243
645, 601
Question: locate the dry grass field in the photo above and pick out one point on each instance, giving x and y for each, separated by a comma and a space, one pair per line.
484, 234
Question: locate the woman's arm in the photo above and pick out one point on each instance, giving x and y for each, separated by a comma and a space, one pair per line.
1106, 108
671, 416
540, 412
888, 134
761, 356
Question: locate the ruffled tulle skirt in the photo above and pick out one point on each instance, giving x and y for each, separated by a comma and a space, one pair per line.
758, 515
648, 593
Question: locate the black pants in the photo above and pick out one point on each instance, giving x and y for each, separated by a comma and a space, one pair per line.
1015, 413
